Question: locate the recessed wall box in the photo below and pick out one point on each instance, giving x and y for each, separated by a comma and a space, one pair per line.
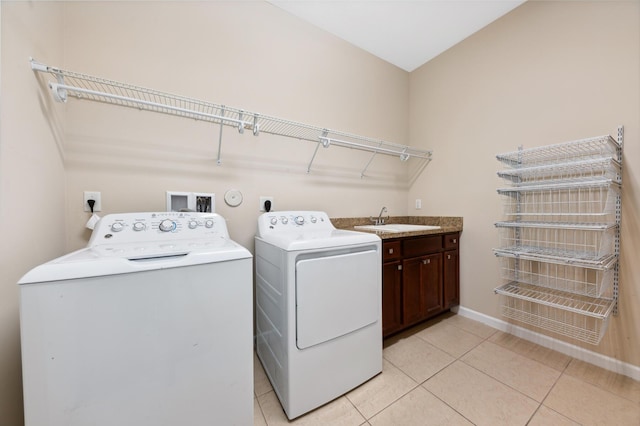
204, 203
191, 201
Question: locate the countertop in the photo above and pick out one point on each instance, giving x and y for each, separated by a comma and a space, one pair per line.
447, 225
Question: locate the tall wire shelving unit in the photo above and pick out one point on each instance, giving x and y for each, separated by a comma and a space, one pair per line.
560, 237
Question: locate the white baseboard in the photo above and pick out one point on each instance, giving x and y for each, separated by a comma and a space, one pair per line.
574, 351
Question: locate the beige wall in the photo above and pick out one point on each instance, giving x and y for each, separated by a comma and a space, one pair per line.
247, 55
244, 54
32, 222
547, 72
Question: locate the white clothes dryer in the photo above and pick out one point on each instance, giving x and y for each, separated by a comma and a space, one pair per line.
150, 324
318, 308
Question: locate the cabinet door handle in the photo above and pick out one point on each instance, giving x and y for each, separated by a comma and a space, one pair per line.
448, 256
455, 241
399, 267
390, 251
425, 261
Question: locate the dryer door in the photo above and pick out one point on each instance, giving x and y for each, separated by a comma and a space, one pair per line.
336, 295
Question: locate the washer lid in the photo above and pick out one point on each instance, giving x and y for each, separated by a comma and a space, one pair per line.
134, 242
131, 258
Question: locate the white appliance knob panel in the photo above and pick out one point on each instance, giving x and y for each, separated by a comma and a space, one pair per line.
167, 225
193, 224
299, 220
284, 220
117, 227
209, 223
274, 220
138, 226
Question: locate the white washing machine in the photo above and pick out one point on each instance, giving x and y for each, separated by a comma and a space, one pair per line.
318, 308
151, 324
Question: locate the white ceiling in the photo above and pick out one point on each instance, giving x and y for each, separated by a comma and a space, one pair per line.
406, 33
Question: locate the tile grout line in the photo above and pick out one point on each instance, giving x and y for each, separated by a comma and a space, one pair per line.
392, 402
595, 384
445, 402
541, 402
261, 412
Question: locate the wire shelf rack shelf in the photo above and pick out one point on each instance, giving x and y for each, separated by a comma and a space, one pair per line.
573, 172
580, 242
560, 242
595, 281
574, 151
587, 201
86, 87
578, 317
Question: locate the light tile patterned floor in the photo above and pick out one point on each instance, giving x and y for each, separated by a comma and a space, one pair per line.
455, 371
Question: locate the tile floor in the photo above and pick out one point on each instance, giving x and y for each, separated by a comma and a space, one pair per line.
455, 371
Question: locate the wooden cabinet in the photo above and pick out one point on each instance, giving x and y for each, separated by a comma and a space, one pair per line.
451, 271
451, 279
391, 297
391, 287
420, 279
422, 287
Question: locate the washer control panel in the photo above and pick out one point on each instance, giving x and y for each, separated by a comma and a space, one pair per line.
290, 221
160, 226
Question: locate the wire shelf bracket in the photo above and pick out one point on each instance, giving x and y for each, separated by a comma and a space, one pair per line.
82, 86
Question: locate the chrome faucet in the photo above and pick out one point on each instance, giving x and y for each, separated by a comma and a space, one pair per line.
380, 220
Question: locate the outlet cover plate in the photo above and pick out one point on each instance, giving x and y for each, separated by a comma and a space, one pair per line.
263, 199
92, 195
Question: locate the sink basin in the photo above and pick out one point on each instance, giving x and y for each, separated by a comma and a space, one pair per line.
396, 227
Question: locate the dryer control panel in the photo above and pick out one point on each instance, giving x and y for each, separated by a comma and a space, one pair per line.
286, 221
157, 226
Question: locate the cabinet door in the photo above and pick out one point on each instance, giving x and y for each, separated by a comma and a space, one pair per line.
422, 287
391, 297
451, 278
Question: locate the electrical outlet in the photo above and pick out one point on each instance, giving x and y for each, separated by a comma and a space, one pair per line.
262, 201
95, 196
418, 203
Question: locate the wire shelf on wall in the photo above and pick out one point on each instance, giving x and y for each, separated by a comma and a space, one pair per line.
579, 317
599, 147
574, 172
87, 87
595, 281
560, 246
578, 242
585, 201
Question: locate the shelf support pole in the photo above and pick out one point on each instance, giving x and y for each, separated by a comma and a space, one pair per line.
616, 269
325, 142
369, 162
219, 162
256, 126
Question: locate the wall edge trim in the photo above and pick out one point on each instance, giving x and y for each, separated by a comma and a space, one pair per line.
582, 354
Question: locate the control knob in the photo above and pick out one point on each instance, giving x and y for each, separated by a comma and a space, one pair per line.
313, 219
299, 220
284, 220
138, 226
193, 224
274, 220
117, 227
208, 223
167, 225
